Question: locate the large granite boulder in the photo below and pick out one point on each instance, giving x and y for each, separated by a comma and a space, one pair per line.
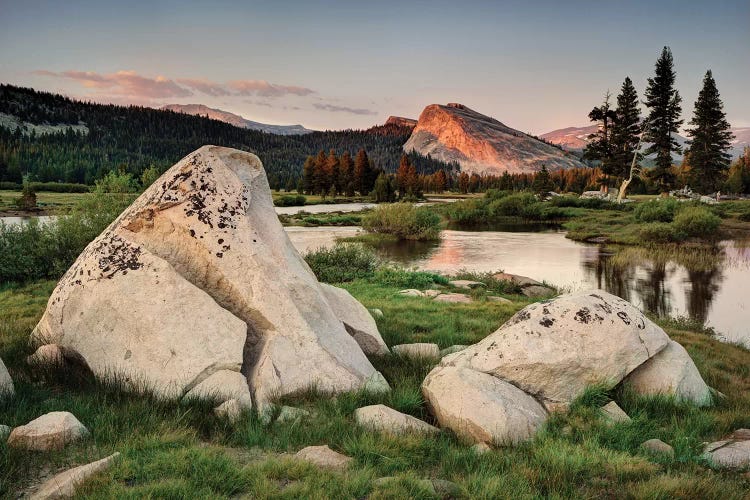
481, 408
356, 318
553, 350
198, 276
6, 383
671, 372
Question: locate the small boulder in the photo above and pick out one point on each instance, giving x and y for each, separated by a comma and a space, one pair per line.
481, 448
516, 279
376, 313
740, 435
447, 489
64, 484
6, 384
453, 298
230, 410
657, 446
417, 350
223, 385
481, 408
292, 414
466, 284
499, 300
432, 293
4, 432
48, 354
614, 414
452, 349
411, 292
536, 291
728, 454
356, 319
385, 419
323, 456
671, 371
48, 432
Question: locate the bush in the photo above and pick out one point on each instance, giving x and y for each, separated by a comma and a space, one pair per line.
590, 203
289, 200
696, 222
512, 205
402, 278
60, 187
404, 221
657, 232
35, 250
657, 210
342, 262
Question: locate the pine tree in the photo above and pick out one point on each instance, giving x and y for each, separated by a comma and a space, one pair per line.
663, 102
320, 176
308, 175
542, 183
625, 130
707, 153
599, 147
346, 170
332, 170
384, 189
362, 173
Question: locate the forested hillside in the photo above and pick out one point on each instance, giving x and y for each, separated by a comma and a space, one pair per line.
134, 138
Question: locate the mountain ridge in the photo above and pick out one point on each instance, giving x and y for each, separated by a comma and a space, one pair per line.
235, 119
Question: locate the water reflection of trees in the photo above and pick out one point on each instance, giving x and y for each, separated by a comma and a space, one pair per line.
640, 274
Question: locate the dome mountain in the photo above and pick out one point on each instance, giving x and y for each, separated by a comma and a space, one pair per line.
480, 144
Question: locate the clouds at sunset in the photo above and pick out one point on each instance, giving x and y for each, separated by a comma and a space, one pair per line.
140, 88
343, 109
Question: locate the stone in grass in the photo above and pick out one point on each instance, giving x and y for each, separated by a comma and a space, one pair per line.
536, 291
657, 446
728, 454
230, 410
466, 284
614, 414
417, 350
499, 300
4, 432
453, 298
385, 419
323, 456
432, 293
291, 414
64, 485
452, 349
376, 313
48, 432
411, 292
6, 384
481, 448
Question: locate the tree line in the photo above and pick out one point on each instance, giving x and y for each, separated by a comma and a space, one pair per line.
706, 161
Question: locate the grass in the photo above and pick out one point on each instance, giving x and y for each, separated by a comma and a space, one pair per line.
183, 450
49, 202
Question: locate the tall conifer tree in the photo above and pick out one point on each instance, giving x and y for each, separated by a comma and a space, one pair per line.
707, 153
625, 129
663, 102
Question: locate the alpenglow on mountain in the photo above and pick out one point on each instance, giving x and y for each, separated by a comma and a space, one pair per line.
455, 133
236, 120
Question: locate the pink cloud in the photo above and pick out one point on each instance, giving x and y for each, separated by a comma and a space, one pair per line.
344, 109
267, 89
124, 83
205, 86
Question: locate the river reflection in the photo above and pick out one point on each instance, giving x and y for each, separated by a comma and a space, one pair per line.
710, 286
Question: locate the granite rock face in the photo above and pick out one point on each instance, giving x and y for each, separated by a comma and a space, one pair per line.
197, 277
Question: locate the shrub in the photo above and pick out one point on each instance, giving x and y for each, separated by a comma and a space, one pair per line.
467, 211
511, 205
289, 200
404, 221
60, 187
342, 262
657, 232
657, 210
403, 278
115, 182
27, 201
696, 222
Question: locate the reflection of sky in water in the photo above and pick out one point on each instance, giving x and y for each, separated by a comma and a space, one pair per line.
719, 295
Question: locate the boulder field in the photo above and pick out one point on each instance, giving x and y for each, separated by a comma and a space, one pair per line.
196, 290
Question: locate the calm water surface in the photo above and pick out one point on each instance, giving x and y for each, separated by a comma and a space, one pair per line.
714, 290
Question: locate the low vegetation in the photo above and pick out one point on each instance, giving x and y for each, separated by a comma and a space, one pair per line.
404, 221
183, 450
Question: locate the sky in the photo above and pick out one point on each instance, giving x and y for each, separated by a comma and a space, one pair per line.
534, 65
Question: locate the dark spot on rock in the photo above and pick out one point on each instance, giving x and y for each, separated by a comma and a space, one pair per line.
192, 233
547, 322
221, 240
219, 254
624, 317
583, 315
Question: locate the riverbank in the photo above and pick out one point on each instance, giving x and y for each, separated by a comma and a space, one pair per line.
183, 450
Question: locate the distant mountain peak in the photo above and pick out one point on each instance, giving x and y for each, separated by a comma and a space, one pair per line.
236, 120
401, 121
479, 143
